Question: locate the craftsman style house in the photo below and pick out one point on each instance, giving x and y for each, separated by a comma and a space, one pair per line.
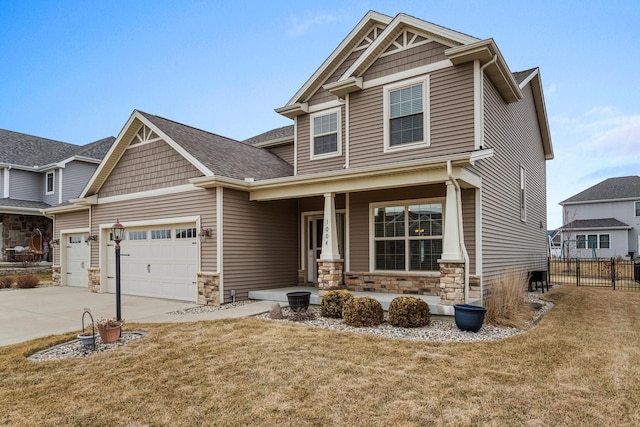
415, 164
603, 221
37, 173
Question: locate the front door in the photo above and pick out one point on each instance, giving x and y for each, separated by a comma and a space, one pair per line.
314, 227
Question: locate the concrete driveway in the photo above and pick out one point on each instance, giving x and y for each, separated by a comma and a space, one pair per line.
33, 313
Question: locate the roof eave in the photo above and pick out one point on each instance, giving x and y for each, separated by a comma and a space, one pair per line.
292, 111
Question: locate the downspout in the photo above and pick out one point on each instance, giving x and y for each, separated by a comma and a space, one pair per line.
463, 247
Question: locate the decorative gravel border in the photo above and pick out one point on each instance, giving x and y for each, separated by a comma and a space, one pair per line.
75, 348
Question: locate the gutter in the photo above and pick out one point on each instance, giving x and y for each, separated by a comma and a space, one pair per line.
463, 247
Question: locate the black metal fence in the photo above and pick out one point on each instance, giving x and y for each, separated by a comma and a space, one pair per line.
601, 272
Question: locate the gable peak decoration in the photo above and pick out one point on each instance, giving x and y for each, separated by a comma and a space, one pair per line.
144, 136
369, 38
406, 40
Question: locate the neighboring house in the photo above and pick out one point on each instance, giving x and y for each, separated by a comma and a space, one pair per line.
415, 164
555, 243
603, 221
35, 174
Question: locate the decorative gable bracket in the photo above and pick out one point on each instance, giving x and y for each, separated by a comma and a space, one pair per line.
294, 110
343, 87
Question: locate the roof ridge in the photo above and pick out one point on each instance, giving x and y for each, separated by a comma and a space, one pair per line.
188, 126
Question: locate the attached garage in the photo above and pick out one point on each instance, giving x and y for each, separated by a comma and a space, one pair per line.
75, 258
159, 261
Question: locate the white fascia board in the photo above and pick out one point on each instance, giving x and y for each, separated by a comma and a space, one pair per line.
21, 211
589, 202
64, 209
275, 142
541, 113
573, 229
150, 193
370, 16
429, 27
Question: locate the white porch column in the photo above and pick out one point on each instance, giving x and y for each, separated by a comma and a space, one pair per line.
330, 232
452, 236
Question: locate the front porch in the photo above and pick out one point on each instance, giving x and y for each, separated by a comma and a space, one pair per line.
280, 295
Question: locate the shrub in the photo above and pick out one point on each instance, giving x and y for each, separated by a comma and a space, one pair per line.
409, 312
333, 301
508, 304
362, 311
6, 282
27, 281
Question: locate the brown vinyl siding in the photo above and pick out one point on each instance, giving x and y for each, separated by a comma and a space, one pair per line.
305, 164
260, 243
66, 221
512, 131
451, 120
359, 216
469, 225
190, 203
405, 60
148, 167
285, 152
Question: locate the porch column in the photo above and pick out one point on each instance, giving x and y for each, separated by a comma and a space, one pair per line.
330, 265
330, 232
451, 250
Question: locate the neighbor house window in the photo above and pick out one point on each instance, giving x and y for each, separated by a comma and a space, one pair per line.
407, 236
605, 241
50, 182
523, 195
406, 114
325, 134
581, 241
593, 241
637, 208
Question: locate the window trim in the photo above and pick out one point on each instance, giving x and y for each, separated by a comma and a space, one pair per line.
586, 242
406, 238
53, 183
426, 113
523, 194
338, 112
636, 208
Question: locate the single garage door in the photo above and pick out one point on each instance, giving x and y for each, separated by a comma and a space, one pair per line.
159, 262
77, 254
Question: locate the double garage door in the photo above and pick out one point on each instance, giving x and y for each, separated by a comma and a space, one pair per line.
158, 261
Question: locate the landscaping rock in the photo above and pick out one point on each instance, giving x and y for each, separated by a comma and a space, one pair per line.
276, 311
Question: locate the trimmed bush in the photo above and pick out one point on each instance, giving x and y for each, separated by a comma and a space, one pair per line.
333, 301
409, 312
6, 282
362, 311
27, 281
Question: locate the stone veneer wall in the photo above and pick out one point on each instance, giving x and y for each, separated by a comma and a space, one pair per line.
94, 279
18, 229
302, 278
393, 283
451, 283
56, 277
330, 275
208, 289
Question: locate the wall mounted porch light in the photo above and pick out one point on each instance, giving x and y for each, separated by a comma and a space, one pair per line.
204, 234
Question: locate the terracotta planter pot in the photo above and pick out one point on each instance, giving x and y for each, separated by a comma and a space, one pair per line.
111, 335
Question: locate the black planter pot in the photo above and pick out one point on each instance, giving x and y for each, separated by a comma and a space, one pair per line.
469, 317
298, 300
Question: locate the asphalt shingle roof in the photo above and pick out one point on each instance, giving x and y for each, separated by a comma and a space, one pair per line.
520, 76
97, 149
223, 156
595, 223
28, 150
626, 187
22, 203
278, 134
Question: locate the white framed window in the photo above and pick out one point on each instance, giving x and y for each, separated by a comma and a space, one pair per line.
523, 194
406, 114
138, 235
326, 133
161, 234
186, 233
50, 182
604, 241
406, 236
637, 206
593, 241
74, 240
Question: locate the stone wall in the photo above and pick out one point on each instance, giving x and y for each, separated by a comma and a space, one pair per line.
330, 275
94, 279
56, 277
19, 270
208, 289
18, 229
394, 283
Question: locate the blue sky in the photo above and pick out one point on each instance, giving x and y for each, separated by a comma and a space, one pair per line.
75, 70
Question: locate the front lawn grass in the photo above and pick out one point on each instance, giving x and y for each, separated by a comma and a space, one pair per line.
579, 366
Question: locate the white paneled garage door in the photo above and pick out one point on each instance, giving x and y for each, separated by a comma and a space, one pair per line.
158, 261
77, 254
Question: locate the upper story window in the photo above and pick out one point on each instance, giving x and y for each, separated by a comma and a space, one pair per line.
406, 114
637, 208
50, 182
326, 133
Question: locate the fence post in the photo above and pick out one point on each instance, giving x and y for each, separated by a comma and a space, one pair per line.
613, 272
577, 271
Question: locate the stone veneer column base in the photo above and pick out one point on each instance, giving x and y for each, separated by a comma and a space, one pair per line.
330, 275
94, 279
56, 277
209, 289
302, 278
451, 286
